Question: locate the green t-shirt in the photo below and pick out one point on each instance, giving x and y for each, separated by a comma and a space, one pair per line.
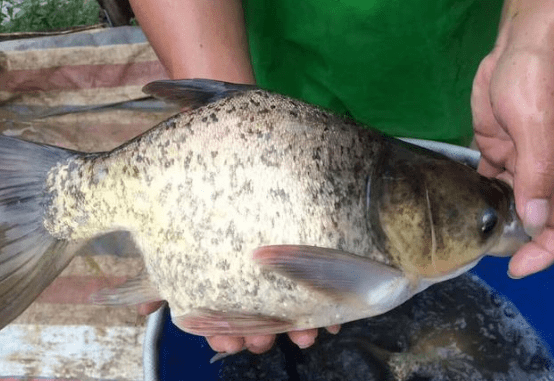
402, 66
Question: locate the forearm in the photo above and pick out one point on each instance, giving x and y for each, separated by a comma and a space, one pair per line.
198, 38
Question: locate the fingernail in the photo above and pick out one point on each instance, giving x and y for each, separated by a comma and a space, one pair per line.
303, 344
536, 214
232, 349
256, 349
516, 277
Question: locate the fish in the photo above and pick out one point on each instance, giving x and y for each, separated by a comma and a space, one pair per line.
255, 213
460, 329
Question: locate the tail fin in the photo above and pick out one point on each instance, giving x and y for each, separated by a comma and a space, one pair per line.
30, 258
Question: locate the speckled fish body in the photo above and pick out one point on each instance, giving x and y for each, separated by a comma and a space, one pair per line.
338, 210
204, 189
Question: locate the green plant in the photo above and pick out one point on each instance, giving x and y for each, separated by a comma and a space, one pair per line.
46, 15
6, 10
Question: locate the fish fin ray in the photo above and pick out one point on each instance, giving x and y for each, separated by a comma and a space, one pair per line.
30, 258
22, 285
343, 275
193, 93
136, 290
207, 322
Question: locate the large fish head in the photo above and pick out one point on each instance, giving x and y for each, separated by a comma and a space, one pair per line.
435, 217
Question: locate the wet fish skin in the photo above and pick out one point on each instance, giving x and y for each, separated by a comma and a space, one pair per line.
204, 189
433, 216
207, 235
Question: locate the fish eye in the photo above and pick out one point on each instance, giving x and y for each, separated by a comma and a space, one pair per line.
488, 221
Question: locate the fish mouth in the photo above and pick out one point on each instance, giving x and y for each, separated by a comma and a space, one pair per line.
513, 236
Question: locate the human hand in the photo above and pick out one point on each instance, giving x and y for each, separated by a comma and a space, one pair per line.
255, 344
262, 343
513, 115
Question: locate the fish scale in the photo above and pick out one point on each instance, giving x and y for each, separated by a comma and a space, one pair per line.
257, 213
190, 215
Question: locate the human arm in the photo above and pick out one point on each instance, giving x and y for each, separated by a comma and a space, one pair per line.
513, 112
198, 38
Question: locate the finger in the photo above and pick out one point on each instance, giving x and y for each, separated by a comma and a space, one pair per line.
148, 308
333, 329
259, 344
498, 150
533, 185
480, 98
227, 344
525, 112
490, 169
484, 121
492, 140
486, 168
534, 256
304, 338
506, 177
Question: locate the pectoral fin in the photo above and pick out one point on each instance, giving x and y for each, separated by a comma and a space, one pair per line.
339, 273
205, 322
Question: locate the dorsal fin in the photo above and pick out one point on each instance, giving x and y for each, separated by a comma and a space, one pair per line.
193, 93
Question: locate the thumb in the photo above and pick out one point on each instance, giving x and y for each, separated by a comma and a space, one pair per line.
522, 101
534, 179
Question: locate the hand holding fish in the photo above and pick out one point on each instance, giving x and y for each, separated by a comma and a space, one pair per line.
512, 99
262, 343
255, 344
255, 213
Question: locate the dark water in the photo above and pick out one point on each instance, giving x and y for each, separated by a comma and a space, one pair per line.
533, 295
457, 330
